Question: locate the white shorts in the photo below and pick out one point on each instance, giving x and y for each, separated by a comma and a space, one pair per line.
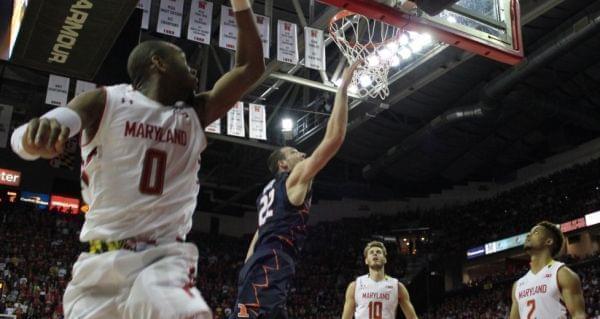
155, 283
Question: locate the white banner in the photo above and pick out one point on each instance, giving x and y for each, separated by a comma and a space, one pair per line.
83, 86
287, 42
145, 5
5, 117
314, 51
200, 23
228, 31
169, 17
235, 120
58, 90
214, 127
264, 30
258, 121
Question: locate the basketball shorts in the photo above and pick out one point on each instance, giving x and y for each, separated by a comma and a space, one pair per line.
263, 285
154, 283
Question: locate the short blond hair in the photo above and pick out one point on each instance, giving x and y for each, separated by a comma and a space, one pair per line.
375, 244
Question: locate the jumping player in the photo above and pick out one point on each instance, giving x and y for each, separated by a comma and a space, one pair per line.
550, 289
141, 146
376, 295
283, 210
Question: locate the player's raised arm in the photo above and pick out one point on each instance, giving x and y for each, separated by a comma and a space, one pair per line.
404, 301
572, 294
249, 67
349, 304
46, 136
335, 133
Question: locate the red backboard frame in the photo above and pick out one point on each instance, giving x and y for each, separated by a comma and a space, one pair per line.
454, 37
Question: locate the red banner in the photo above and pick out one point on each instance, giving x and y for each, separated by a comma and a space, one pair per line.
65, 205
572, 225
10, 178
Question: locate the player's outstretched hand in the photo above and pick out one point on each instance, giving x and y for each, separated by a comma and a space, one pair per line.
348, 73
45, 137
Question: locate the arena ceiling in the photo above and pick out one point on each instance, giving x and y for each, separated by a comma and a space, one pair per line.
437, 128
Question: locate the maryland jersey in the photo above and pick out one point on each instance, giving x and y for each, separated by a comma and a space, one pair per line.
375, 299
139, 172
538, 295
281, 224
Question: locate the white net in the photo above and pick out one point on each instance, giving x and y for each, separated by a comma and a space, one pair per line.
380, 47
360, 38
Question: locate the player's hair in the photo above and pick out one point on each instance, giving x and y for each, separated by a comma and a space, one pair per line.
375, 244
273, 160
140, 57
558, 238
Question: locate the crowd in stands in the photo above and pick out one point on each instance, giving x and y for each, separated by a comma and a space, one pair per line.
39, 247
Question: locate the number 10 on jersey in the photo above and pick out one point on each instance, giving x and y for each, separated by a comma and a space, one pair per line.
375, 310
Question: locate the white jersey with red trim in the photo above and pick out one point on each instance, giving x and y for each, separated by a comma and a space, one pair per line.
139, 172
375, 299
538, 295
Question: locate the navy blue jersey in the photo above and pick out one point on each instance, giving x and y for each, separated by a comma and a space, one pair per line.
281, 224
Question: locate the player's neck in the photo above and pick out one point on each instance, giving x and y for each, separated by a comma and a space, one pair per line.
164, 93
377, 274
539, 261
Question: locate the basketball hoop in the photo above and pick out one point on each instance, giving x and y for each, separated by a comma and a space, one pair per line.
376, 43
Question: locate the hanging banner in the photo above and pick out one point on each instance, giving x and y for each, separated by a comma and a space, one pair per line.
314, 52
145, 5
200, 23
258, 121
5, 117
228, 30
287, 42
235, 120
58, 90
264, 30
83, 86
214, 127
169, 17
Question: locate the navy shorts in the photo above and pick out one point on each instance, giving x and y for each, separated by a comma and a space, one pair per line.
263, 285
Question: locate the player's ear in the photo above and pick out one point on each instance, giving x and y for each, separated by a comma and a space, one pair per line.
283, 165
158, 63
549, 241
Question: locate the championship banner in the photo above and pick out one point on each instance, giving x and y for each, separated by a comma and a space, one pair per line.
58, 90
314, 52
264, 30
169, 17
214, 127
235, 121
200, 23
71, 38
83, 86
145, 5
228, 30
258, 121
287, 42
5, 117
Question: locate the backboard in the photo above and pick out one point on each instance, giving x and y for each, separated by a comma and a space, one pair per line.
490, 28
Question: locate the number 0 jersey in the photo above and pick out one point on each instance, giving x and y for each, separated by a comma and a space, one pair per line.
375, 299
538, 295
139, 172
281, 224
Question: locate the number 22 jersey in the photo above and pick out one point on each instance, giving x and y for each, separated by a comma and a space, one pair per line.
139, 171
281, 224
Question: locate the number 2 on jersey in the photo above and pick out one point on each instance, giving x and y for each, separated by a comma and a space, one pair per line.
375, 310
153, 172
531, 304
266, 201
